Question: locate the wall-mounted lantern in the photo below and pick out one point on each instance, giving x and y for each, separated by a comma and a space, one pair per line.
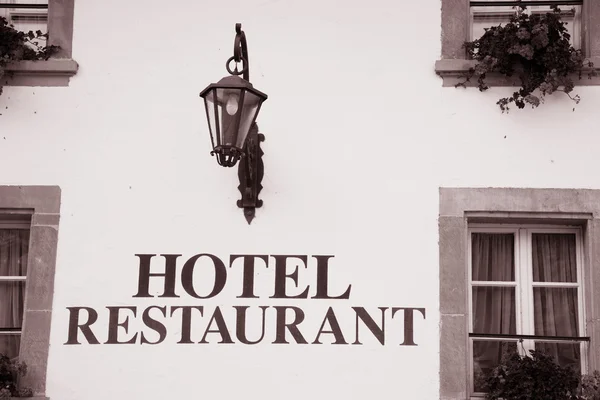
232, 105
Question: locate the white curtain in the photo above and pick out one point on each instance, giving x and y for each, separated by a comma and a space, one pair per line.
556, 308
494, 309
14, 244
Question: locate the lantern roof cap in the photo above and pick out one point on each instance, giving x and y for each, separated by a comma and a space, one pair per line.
233, 82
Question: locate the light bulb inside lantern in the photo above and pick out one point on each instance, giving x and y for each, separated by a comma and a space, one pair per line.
232, 104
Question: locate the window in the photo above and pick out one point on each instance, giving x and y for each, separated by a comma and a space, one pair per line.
465, 20
524, 281
14, 247
29, 217
25, 17
516, 264
54, 17
488, 13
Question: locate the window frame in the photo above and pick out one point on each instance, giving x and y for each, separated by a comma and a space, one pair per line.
577, 37
460, 207
524, 283
453, 64
43, 204
57, 70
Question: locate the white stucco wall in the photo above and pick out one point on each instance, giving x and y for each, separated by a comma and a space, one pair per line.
360, 135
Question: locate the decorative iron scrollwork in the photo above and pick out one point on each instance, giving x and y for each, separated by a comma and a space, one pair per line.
250, 174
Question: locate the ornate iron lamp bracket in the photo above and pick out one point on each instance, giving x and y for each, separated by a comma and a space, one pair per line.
240, 54
251, 167
250, 174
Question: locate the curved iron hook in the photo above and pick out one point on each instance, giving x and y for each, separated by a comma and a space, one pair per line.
240, 52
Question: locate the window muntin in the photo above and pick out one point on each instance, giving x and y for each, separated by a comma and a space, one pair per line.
544, 298
14, 250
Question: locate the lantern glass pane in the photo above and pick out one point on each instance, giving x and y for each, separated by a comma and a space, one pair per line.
228, 101
249, 112
210, 114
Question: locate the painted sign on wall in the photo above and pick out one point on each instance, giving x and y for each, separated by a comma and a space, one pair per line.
283, 322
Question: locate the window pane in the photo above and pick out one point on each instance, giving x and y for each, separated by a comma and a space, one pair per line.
12, 296
493, 256
494, 310
14, 245
555, 311
487, 354
486, 17
483, 17
554, 257
564, 354
9, 344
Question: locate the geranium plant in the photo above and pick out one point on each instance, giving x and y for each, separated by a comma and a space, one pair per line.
534, 47
532, 377
590, 386
17, 46
538, 376
10, 371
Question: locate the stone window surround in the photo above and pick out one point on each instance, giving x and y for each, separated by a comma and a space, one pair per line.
458, 207
43, 202
455, 31
57, 70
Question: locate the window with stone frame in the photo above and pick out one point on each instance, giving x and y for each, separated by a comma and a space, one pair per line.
517, 268
465, 20
29, 219
54, 17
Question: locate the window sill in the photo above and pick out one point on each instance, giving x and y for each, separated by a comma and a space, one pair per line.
453, 71
52, 72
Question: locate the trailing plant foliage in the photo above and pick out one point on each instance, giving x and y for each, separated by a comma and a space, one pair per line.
10, 371
590, 386
538, 377
17, 46
535, 377
534, 47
